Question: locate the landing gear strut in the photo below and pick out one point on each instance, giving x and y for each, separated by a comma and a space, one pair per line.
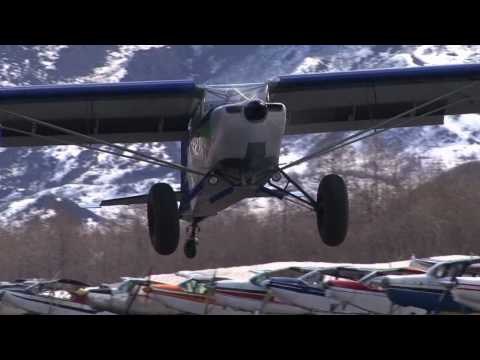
331, 205
190, 248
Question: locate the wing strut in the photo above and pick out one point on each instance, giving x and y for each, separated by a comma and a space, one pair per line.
86, 146
381, 127
96, 140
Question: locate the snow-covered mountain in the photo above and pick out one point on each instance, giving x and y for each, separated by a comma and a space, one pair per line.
34, 181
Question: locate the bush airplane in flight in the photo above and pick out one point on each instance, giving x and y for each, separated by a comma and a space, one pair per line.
231, 134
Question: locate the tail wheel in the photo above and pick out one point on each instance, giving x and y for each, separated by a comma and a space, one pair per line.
190, 248
163, 219
332, 214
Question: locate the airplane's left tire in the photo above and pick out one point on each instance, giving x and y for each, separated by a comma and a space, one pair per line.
332, 214
163, 219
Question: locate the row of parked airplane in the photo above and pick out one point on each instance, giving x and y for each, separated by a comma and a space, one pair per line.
424, 286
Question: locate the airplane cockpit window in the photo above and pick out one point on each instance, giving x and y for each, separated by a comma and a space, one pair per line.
131, 286
200, 288
455, 270
189, 285
219, 95
372, 275
195, 286
450, 270
259, 279
122, 287
231, 94
440, 272
314, 279
35, 288
472, 270
199, 120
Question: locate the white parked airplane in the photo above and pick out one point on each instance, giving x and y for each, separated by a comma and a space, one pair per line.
231, 134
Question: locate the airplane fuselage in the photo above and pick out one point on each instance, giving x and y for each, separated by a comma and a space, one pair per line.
240, 143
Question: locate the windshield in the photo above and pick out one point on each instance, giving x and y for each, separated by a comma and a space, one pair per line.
449, 270
288, 273
219, 95
194, 286
259, 279
440, 272
472, 270
125, 287
375, 274
314, 279
216, 95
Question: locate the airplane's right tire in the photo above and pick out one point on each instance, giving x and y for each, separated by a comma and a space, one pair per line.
332, 214
163, 219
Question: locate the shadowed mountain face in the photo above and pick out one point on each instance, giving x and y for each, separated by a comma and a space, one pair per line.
66, 207
29, 176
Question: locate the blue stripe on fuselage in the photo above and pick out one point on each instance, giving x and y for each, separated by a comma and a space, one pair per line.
428, 299
189, 196
296, 287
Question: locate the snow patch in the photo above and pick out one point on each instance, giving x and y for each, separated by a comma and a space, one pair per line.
466, 128
402, 60
451, 155
309, 65
463, 126
448, 54
293, 156
66, 159
46, 214
16, 207
49, 54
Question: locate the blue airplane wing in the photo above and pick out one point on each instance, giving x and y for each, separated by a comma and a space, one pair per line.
127, 112
356, 100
